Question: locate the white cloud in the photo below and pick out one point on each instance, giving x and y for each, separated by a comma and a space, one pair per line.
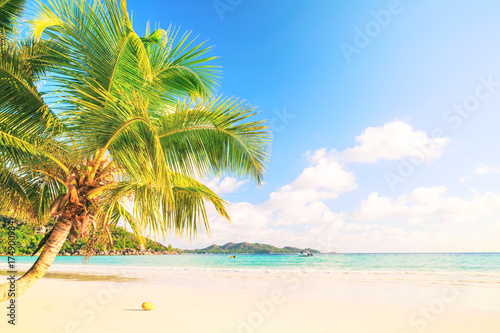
419, 224
298, 213
387, 239
323, 179
427, 205
250, 223
302, 201
393, 141
224, 185
486, 169
300, 204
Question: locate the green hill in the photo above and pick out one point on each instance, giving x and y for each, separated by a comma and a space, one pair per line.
27, 240
252, 248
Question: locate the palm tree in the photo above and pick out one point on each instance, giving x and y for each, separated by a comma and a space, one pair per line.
131, 128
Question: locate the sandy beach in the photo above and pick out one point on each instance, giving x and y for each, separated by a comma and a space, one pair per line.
207, 302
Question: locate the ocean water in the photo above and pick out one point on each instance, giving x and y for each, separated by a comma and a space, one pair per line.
476, 267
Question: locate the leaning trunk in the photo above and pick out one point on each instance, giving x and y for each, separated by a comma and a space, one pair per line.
35, 273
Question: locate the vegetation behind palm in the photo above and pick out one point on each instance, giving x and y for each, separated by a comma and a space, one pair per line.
27, 240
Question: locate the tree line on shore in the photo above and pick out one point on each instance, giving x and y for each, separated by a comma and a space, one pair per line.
124, 242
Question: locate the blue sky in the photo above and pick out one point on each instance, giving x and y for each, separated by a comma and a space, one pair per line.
344, 122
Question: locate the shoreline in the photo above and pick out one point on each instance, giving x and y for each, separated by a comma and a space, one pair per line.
160, 275
81, 276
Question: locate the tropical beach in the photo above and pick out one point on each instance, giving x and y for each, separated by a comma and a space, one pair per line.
257, 166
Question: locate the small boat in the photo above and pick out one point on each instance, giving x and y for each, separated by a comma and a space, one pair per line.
234, 257
305, 254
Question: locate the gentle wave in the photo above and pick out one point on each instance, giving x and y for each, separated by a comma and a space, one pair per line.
166, 273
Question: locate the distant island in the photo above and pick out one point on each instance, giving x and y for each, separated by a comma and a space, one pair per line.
248, 248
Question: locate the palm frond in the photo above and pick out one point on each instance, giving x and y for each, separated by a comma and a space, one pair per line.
22, 107
211, 138
149, 212
102, 50
180, 67
10, 11
27, 195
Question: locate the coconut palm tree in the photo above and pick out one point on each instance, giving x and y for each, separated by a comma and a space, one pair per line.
123, 129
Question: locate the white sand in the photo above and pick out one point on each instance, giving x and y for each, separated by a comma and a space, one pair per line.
239, 303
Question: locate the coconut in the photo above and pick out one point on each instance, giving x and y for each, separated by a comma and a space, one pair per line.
148, 306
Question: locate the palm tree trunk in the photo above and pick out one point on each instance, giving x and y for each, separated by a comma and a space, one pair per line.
35, 273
